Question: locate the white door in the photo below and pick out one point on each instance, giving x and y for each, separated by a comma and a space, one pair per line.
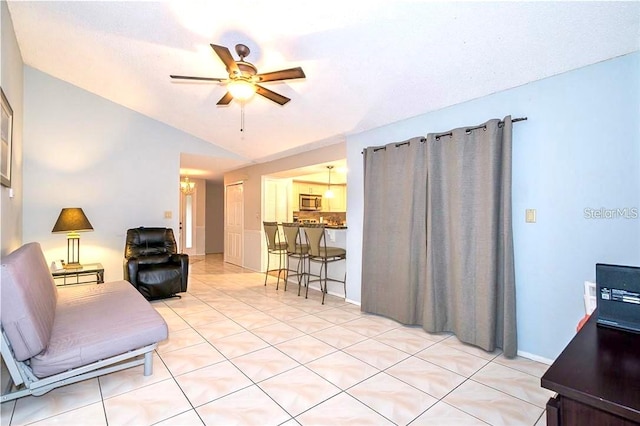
234, 224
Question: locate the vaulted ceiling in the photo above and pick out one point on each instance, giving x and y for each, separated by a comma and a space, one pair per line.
367, 63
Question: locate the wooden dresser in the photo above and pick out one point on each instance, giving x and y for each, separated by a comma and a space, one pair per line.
597, 379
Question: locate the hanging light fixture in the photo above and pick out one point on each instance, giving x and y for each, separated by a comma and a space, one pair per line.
187, 187
329, 193
241, 89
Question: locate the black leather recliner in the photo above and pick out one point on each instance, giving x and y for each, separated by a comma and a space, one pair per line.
152, 264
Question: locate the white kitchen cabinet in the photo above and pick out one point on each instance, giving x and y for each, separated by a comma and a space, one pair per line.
316, 189
339, 201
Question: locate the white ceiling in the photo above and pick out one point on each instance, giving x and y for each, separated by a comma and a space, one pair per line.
368, 63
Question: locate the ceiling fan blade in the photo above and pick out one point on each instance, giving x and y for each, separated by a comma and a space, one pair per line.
187, 77
281, 75
273, 96
225, 99
226, 58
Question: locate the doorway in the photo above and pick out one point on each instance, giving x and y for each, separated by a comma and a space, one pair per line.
192, 200
186, 223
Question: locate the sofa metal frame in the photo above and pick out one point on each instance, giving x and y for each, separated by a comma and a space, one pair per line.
27, 383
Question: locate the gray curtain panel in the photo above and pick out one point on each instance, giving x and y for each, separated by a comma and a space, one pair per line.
470, 285
437, 237
394, 235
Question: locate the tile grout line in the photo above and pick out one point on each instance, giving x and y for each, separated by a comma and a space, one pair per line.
243, 297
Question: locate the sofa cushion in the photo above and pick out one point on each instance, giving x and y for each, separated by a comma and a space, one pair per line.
98, 321
28, 302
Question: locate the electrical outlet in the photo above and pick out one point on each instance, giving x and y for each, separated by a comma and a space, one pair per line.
530, 215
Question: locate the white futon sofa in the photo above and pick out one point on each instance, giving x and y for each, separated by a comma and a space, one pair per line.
53, 336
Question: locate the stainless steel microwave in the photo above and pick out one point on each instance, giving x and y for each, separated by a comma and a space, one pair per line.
310, 202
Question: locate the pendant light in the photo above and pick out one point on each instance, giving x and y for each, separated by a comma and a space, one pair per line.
329, 193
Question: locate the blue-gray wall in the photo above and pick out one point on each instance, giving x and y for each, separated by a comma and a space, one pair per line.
579, 149
12, 82
121, 167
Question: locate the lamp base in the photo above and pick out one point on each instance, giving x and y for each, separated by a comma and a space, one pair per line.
72, 266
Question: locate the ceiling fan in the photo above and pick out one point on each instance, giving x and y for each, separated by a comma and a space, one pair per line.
244, 78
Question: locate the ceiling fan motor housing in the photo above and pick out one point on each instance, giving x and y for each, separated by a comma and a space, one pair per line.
247, 70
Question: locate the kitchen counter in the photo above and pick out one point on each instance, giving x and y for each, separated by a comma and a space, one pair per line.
335, 226
336, 220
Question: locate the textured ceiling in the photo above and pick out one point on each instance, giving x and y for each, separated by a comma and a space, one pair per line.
368, 63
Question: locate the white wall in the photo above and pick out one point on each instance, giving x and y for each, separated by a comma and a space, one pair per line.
122, 168
11, 81
580, 148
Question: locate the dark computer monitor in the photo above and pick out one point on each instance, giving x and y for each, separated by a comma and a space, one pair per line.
618, 295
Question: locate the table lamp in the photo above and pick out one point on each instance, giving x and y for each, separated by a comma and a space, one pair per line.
72, 221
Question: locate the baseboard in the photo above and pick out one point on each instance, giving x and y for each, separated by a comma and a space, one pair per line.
316, 286
535, 357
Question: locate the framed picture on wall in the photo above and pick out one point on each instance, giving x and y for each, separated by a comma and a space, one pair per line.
6, 133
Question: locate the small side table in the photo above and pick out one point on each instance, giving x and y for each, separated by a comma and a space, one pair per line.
94, 271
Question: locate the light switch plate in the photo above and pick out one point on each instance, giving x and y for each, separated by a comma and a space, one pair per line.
167, 214
530, 216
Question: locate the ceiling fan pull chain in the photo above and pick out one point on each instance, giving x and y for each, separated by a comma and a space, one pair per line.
241, 116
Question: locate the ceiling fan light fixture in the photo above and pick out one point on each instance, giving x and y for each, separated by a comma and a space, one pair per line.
241, 89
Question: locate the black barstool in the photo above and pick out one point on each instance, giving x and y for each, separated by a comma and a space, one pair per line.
320, 253
276, 247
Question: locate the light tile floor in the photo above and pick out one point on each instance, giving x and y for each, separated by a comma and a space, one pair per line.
242, 353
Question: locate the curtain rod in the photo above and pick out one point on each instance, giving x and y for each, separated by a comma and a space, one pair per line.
468, 130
